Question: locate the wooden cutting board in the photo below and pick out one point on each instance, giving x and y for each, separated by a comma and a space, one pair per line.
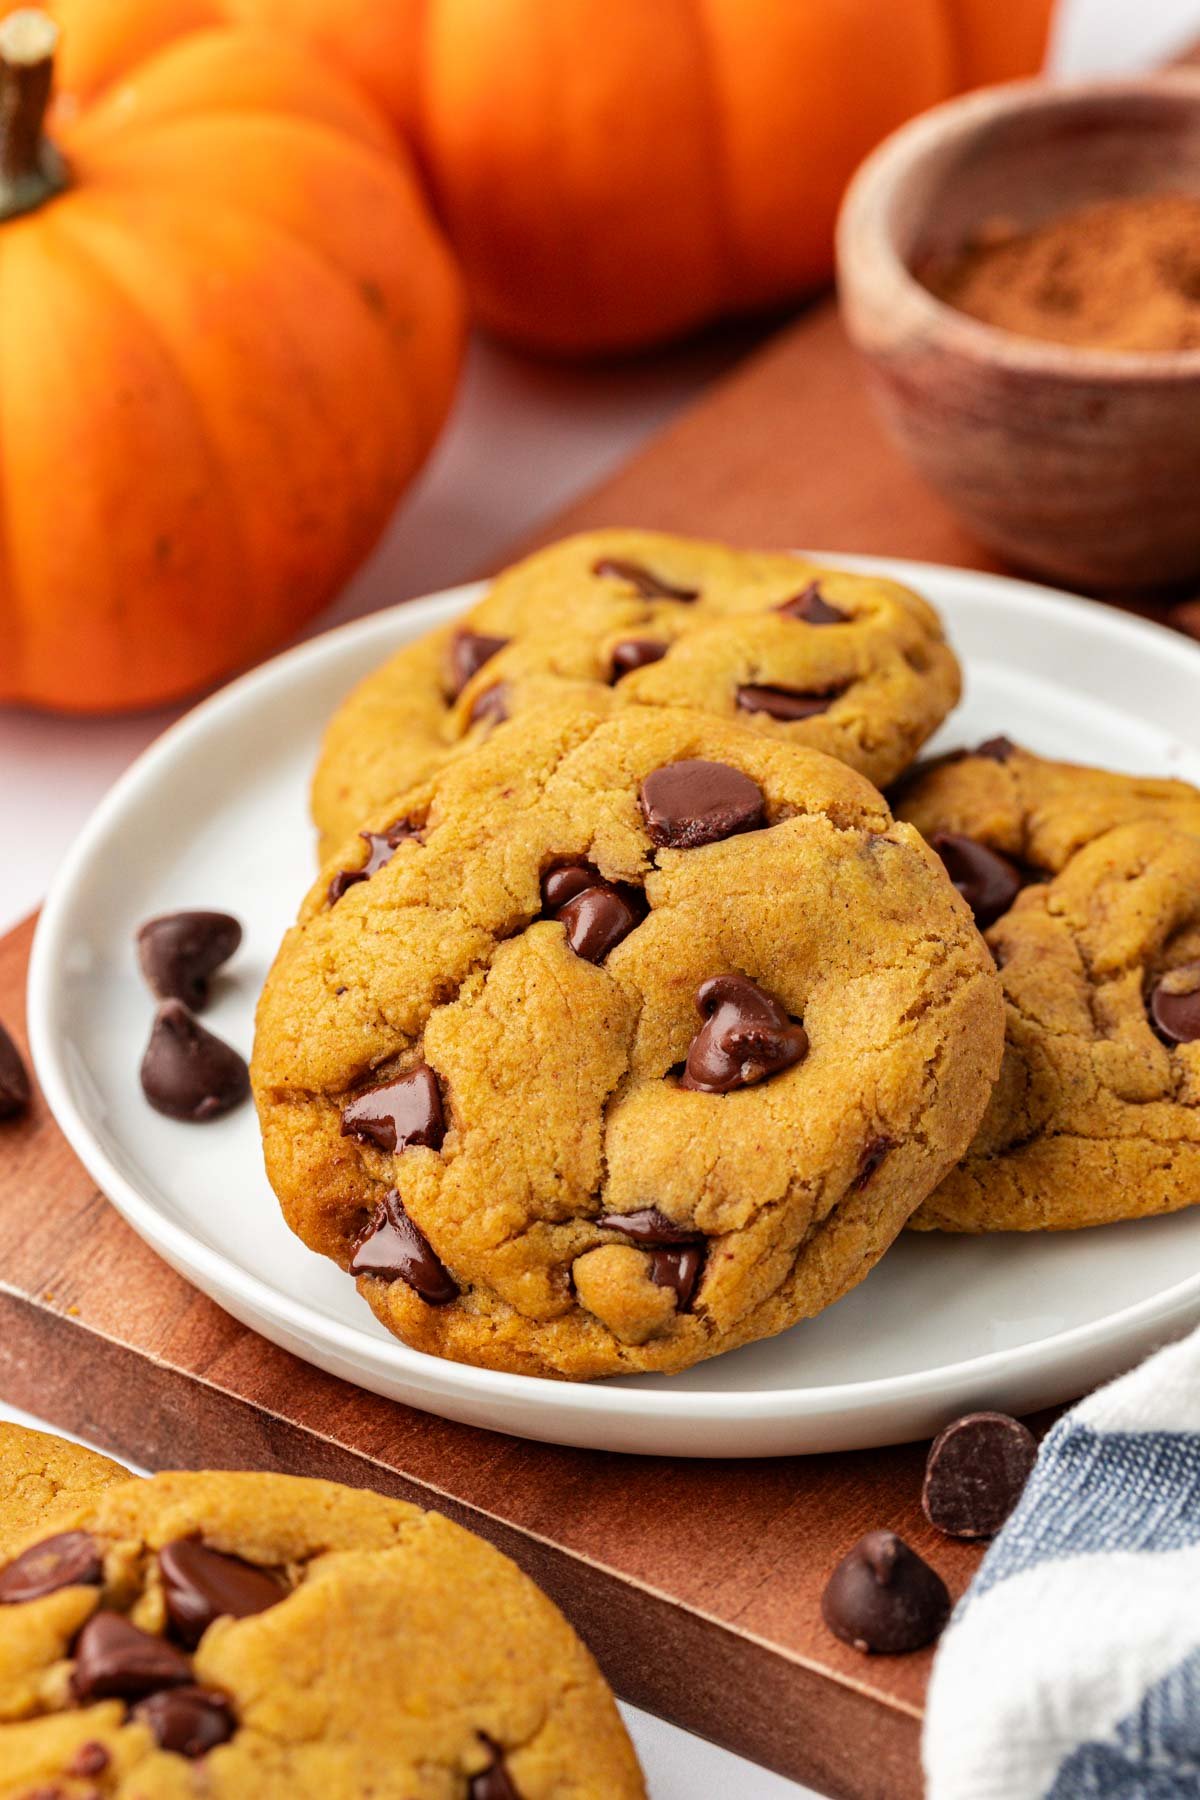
697, 1584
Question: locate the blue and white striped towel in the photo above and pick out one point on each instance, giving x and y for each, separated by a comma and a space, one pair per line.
1071, 1669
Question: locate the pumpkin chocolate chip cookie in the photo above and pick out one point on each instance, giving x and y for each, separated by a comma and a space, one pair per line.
850, 664
239, 1635
630, 1038
1088, 886
40, 1474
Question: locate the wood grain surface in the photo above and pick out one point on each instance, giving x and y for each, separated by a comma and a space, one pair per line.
697, 1584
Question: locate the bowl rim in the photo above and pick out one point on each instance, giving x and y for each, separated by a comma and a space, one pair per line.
868, 262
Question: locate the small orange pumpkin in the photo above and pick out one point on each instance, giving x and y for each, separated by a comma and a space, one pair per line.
229, 332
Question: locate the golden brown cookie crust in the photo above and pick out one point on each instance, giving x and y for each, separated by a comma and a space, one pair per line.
403, 1648
558, 1074
41, 1474
1094, 1118
888, 664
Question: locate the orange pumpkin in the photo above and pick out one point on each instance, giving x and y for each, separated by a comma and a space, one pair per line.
615, 172
229, 332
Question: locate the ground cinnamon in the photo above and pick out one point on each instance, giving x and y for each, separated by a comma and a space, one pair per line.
1119, 275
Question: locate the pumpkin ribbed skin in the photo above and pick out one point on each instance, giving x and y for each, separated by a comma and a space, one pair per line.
223, 351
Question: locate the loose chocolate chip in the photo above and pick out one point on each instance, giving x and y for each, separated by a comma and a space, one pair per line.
975, 1474
116, 1661
14, 1079
884, 1597
987, 881
90, 1759
636, 653
491, 704
393, 1249
187, 1072
877, 1151
1175, 1005
595, 913
190, 1721
200, 1585
679, 1269
783, 703
996, 749
648, 1226
648, 585
494, 1782
179, 951
71, 1559
468, 653
381, 847
812, 608
746, 1037
401, 1112
690, 803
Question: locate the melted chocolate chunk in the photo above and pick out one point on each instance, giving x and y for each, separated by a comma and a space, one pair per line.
190, 1721
179, 951
783, 703
187, 1072
882, 1597
116, 1661
381, 847
566, 878
874, 1155
746, 1037
636, 653
14, 1079
595, 913
1175, 1005
811, 608
976, 1473
648, 1226
401, 1112
648, 585
987, 881
996, 749
71, 1559
680, 1269
494, 1782
200, 1585
468, 653
491, 704
393, 1249
690, 803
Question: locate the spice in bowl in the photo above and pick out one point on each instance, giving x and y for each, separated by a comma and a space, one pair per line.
1116, 275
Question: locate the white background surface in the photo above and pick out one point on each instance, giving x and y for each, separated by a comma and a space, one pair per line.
522, 441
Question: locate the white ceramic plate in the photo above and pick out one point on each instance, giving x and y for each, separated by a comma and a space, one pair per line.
214, 814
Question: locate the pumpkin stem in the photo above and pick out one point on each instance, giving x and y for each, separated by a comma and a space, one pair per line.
31, 169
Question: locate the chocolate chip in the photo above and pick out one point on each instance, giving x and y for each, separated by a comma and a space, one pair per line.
976, 1472
393, 1249
783, 703
595, 913
877, 1151
401, 1112
1175, 1005
71, 1559
190, 1721
678, 1269
494, 1782
884, 1597
381, 847
811, 608
468, 653
14, 1079
187, 1072
116, 1661
636, 653
566, 878
996, 749
690, 803
987, 881
491, 704
648, 1226
90, 1759
746, 1037
179, 951
648, 585
200, 1585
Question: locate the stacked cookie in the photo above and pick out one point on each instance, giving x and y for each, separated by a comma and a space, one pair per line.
625, 1024
239, 1635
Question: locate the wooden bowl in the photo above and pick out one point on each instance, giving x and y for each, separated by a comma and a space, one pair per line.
1080, 464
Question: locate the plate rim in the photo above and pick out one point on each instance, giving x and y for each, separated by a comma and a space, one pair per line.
193, 1258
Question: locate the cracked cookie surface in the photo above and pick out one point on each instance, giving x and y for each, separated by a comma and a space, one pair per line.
40, 1473
1096, 1115
642, 1039
850, 664
242, 1635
